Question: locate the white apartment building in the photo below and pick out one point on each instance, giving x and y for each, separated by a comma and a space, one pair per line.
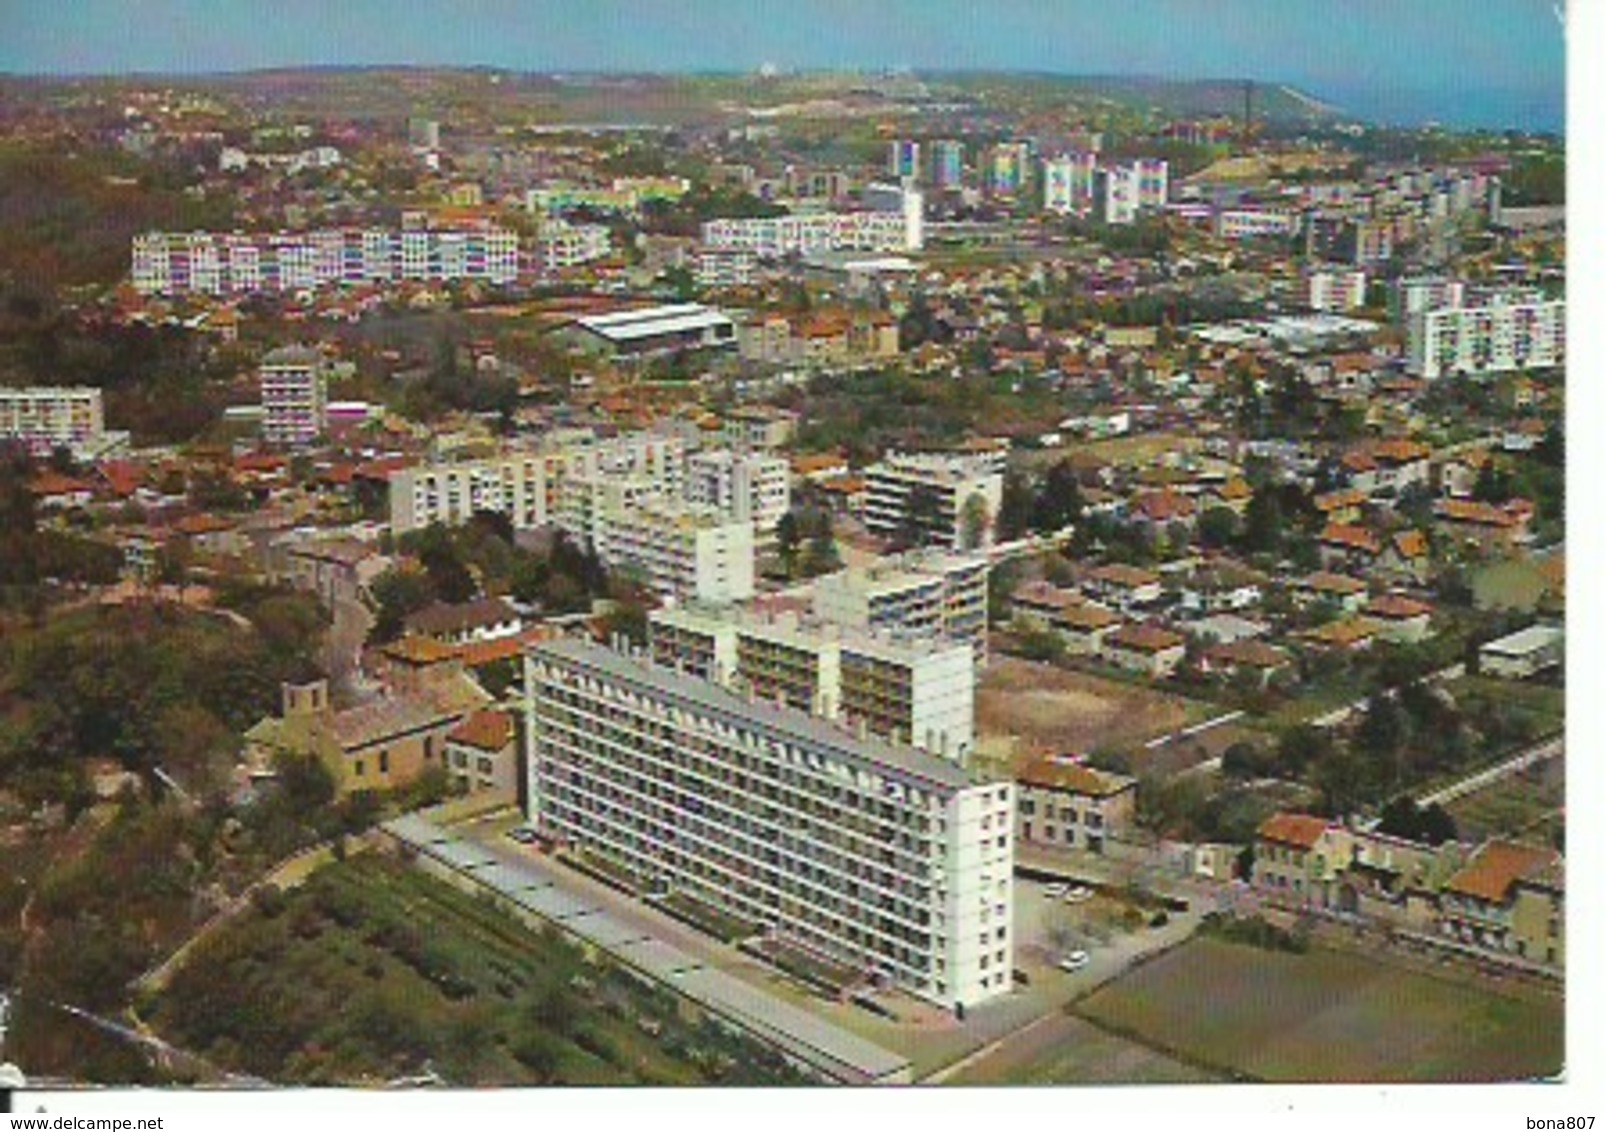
559, 244
518, 485
913, 595
919, 691
778, 236
725, 267
1508, 333
681, 551
176, 263
1114, 195
903, 200
927, 495
872, 855
1067, 183
745, 486
1334, 290
295, 396
1255, 223
1415, 294
46, 417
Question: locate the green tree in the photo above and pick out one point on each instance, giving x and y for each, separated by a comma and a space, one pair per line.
1218, 527
788, 540
974, 520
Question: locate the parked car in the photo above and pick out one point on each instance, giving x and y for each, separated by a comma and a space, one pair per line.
1074, 961
1055, 891
1080, 894
522, 834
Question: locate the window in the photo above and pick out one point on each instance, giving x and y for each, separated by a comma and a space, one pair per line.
357, 770
384, 762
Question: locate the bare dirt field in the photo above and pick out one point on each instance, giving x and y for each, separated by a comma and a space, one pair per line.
1329, 1017
1064, 711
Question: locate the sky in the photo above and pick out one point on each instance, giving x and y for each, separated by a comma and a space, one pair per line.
1464, 62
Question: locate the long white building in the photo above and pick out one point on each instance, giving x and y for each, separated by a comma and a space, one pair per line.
1505, 334
876, 856
919, 691
805, 234
46, 417
221, 263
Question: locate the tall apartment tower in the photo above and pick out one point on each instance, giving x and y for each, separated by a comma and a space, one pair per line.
903, 159
947, 164
295, 396
872, 855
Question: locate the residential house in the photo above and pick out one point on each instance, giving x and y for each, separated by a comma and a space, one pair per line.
1234, 495
481, 755
1347, 593
1063, 804
1085, 628
1123, 586
1406, 558
1039, 603
1256, 658
1344, 506
1484, 527
1400, 618
484, 619
1508, 898
1346, 547
1222, 588
1349, 634
379, 745
1298, 859
1154, 651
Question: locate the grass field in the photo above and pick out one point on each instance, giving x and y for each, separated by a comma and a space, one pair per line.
1054, 708
1525, 804
1328, 1017
1513, 584
1072, 1051
373, 970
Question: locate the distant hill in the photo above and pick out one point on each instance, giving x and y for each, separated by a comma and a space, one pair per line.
1206, 98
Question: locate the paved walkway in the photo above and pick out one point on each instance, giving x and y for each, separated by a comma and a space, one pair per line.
1548, 749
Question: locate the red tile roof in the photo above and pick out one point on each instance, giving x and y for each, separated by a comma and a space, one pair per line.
1145, 638
1074, 778
1350, 537
485, 730
1497, 867
1397, 607
1302, 831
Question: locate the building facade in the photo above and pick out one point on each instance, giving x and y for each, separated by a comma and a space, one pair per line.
294, 386
926, 497
1507, 333
869, 854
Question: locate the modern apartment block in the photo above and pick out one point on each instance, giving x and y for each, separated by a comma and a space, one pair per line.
920, 691
1067, 183
920, 594
532, 487
903, 159
518, 485
1508, 332
1334, 290
745, 486
681, 551
947, 164
869, 854
1415, 294
46, 417
927, 497
218, 263
295, 396
778, 236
